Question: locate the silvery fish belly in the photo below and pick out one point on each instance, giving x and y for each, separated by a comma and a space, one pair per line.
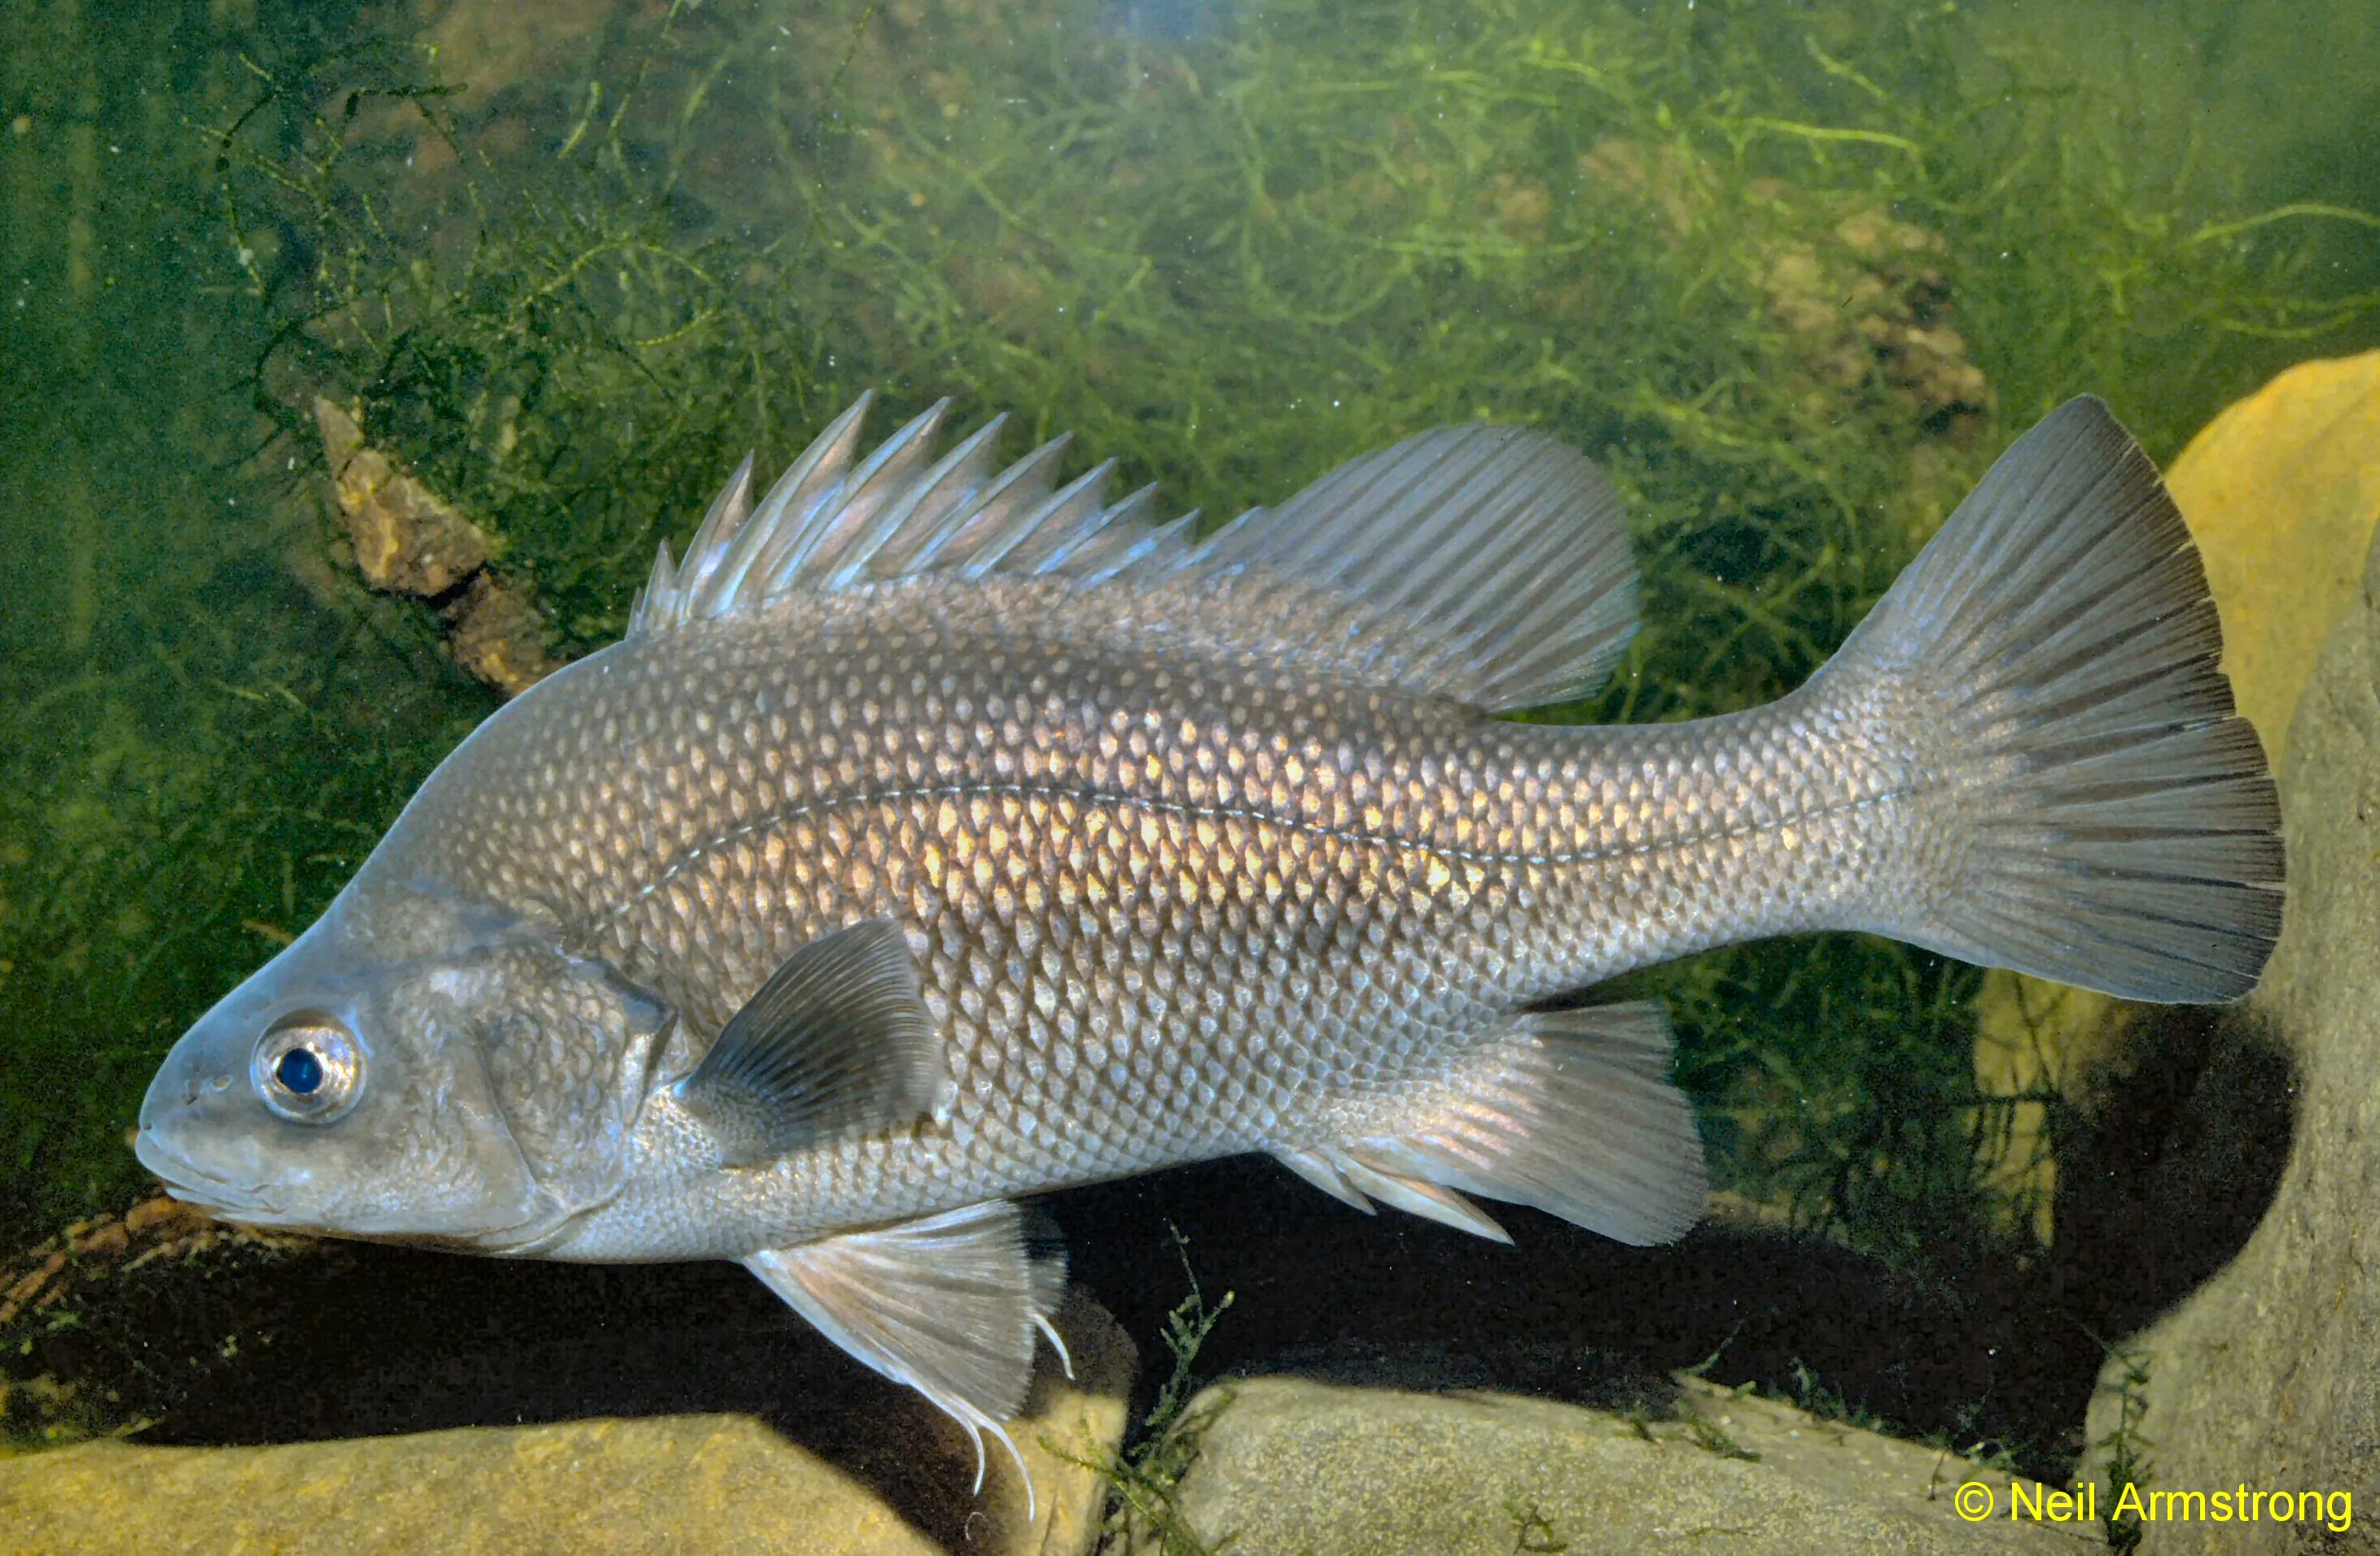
939, 837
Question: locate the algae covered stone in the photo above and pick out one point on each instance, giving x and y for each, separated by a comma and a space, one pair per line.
1291, 1465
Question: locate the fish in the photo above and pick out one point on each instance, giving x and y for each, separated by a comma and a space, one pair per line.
939, 835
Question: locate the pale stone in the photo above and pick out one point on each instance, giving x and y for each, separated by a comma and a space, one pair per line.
713, 1483
1291, 1465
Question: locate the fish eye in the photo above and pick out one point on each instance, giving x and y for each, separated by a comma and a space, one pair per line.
308, 1067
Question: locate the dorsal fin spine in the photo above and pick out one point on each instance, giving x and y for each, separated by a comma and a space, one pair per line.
935, 488
735, 534
654, 602
1173, 532
1106, 526
880, 479
708, 549
1022, 484
1089, 488
800, 491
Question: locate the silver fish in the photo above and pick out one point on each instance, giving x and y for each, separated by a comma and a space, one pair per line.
937, 836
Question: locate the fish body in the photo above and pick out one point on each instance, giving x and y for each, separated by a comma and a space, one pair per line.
937, 838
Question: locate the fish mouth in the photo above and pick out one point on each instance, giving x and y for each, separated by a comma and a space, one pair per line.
191, 1183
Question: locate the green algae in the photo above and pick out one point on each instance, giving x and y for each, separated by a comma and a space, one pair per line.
1792, 274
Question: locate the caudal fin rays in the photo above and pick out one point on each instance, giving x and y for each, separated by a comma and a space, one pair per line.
2096, 813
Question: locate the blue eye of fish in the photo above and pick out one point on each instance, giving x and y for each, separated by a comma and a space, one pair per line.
307, 1067
299, 1071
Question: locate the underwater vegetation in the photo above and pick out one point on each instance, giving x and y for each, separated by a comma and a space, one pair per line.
1793, 276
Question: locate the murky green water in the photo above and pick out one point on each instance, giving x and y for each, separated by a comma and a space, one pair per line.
1794, 274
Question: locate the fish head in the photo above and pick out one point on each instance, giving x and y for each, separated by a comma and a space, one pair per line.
434, 1075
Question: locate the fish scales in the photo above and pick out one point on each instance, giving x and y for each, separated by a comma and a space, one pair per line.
1167, 910
937, 838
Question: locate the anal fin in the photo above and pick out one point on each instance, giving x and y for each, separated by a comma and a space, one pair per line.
948, 1304
1569, 1111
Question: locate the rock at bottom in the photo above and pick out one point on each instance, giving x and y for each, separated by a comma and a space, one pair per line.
713, 1483
1289, 1465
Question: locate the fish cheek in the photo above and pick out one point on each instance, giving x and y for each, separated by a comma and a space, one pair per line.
568, 1049
427, 1154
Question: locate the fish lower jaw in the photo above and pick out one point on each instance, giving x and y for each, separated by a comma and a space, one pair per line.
218, 1197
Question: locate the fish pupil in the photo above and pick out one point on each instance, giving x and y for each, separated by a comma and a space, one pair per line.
298, 1071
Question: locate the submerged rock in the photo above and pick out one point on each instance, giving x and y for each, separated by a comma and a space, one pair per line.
408, 539
1290, 1465
671, 1483
2264, 1379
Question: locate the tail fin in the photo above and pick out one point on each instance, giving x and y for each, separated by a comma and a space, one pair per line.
2096, 813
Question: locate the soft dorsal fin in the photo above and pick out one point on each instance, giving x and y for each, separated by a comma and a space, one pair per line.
838, 1041
1485, 564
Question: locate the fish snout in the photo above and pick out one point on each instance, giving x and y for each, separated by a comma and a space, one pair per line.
184, 1082
192, 1137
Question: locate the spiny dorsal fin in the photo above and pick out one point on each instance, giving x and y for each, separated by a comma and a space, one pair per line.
838, 1041
947, 1304
1484, 563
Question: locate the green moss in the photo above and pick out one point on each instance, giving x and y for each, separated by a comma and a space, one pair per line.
1143, 1512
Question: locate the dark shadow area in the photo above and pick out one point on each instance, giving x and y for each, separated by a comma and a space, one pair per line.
369, 1341
2172, 1165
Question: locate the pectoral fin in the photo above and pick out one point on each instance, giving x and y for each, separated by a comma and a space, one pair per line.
948, 1304
838, 1041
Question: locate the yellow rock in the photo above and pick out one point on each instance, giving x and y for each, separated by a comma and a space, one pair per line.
407, 540
715, 1484
2281, 493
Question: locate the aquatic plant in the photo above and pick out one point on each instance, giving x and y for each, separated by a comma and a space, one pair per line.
203, 732
2126, 1458
558, 354
1791, 274
1144, 1478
